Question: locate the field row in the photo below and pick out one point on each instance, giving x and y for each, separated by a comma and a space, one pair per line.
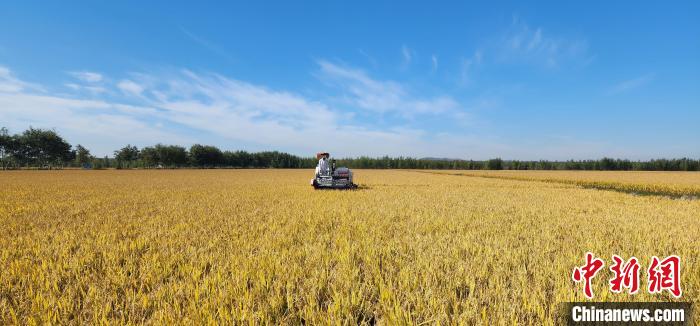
261, 246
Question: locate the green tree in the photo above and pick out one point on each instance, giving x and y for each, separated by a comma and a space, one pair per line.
149, 156
164, 155
239, 159
206, 156
43, 148
128, 154
82, 155
495, 164
6, 147
172, 155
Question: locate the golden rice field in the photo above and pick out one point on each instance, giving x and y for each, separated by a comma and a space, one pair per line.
261, 246
676, 184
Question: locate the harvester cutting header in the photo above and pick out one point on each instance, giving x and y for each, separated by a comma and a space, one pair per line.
327, 176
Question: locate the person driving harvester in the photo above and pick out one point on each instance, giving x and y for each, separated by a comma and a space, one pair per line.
322, 168
328, 176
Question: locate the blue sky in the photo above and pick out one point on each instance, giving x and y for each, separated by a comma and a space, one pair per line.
559, 80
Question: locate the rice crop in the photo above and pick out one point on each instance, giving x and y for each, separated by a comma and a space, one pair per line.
262, 247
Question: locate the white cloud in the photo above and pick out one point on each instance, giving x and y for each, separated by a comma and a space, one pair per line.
10, 84
369, 58
88, 88
130, 87
87, 76
524, 43
407, 54
234, 113
98, 124
187, 108
434, 61
382, 96
467, 67
271, 119
631, 84
210, 46
87, 82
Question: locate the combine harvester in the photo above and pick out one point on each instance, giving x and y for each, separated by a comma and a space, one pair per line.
327, 176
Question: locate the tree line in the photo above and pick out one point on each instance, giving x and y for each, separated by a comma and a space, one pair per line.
40, 148
604, 164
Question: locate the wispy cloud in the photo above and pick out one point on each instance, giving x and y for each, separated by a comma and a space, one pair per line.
176, 107
434, 61
369, 58
382, 96
185, 107
87, 76
407, 54
467, 67
11, 84
211, 46
101, 124
130, 87
534, 44
89, 88
631, 84
87, 82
